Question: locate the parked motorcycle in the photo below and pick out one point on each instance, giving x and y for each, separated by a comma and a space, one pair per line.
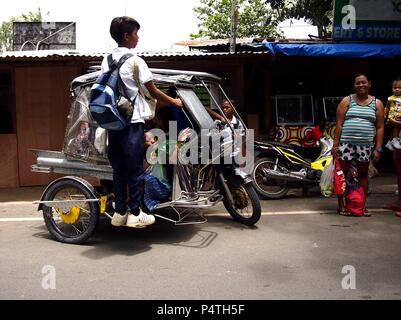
282, 166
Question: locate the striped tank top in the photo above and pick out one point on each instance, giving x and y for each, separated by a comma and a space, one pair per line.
359, 124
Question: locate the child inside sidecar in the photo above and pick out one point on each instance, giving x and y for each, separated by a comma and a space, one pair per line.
158, 176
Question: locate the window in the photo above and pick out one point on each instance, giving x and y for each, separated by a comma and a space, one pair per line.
6, 123
330, 105
294, 109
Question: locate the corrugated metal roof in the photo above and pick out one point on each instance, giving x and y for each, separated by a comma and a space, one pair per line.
40, 54
194, 54
48, 53
212, 42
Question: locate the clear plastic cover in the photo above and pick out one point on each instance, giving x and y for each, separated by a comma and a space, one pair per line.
84, 139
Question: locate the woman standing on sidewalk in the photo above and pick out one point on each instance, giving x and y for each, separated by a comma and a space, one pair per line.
359, 133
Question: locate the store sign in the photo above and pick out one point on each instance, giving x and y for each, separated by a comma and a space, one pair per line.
367, 20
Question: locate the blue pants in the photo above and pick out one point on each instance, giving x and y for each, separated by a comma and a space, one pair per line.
156, 191
125, 153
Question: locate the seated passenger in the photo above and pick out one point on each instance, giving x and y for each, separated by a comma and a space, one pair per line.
157, 184
157, 188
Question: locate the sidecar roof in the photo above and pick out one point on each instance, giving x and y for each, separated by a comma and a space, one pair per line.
160, 76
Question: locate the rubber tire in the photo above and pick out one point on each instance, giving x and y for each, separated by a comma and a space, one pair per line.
272, 196
253, 197
47, 215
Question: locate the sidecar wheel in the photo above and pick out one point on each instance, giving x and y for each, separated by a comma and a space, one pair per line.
74, 225
246, 208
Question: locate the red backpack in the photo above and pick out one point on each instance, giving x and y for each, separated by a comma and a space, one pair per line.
355, 197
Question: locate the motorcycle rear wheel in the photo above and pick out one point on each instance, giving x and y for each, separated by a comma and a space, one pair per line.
268, 188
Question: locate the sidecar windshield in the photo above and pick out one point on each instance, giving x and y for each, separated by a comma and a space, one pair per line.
196, 108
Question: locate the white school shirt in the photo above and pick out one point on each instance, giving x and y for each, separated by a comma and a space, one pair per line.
127, 76
235, 121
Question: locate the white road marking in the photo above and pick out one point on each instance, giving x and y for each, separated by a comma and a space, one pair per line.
4, 204
20, 219
266, 213
272, 213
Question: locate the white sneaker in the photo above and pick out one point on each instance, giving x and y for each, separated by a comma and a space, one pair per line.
119, 220
396, 143
389, 145
140, 221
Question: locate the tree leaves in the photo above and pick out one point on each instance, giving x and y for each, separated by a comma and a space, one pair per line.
255, 19
318, 12
6, 28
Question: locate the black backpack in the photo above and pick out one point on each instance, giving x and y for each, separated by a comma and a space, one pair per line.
105, 96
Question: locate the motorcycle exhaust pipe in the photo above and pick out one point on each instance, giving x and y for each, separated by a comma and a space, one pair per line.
284, 176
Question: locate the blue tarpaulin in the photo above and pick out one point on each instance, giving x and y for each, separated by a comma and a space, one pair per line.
341, 50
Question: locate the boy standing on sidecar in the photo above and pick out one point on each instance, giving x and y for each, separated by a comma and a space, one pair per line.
125, 149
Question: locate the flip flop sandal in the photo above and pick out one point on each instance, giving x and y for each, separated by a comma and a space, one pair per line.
366, 214
392, 207
344, 212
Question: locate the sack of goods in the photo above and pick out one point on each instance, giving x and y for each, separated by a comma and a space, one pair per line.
326, 180
355, 197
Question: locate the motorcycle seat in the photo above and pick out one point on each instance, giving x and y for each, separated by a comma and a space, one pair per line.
298, 149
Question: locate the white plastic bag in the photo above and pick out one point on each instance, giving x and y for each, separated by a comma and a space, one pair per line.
326, 180
147, 107
101, 140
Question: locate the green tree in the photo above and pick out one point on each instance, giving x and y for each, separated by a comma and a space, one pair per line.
6, 28
255, 19
318, 12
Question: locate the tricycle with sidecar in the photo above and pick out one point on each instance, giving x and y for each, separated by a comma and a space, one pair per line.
72, 206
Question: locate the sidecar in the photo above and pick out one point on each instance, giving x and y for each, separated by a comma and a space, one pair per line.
72, 206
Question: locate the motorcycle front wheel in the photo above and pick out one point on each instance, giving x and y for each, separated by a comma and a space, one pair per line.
269, 188
246, 207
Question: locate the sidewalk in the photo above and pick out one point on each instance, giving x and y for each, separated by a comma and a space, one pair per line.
25, 194
385, 183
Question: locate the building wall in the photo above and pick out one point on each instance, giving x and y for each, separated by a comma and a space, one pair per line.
9, 161
41, 96
42, 105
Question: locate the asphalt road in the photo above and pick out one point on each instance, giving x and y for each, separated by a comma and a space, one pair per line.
300, 249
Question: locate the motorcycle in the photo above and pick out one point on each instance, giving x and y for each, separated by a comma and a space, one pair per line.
282, 166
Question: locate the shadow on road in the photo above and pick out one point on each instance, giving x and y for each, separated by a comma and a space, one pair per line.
108, 240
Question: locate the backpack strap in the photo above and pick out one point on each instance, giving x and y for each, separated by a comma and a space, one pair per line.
136, 78
118, 65
124, 58
113, 64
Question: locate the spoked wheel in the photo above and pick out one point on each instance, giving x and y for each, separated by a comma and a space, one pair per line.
269, 188
246, 208
70, 222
